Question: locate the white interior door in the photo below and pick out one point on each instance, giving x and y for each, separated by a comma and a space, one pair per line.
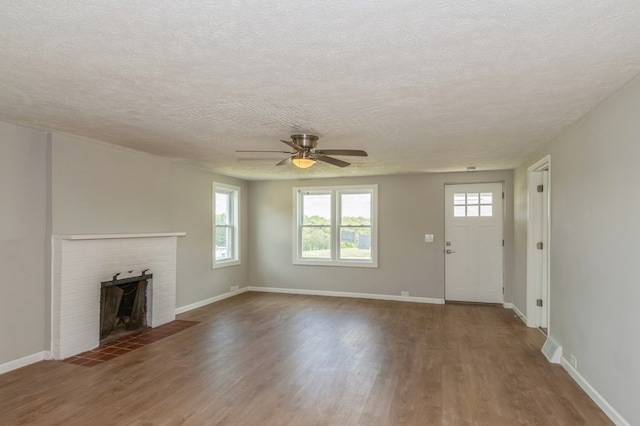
473, 243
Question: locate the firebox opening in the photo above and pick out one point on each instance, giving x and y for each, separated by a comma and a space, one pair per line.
123, 306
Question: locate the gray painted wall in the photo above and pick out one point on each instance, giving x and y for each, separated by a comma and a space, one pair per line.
191, 199
63, 184
409, 206
595, 289
23, 173
99, 188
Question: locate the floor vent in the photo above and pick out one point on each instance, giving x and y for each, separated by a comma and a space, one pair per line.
552, 351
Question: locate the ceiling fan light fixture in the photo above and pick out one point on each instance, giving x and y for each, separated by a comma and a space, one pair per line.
303, 162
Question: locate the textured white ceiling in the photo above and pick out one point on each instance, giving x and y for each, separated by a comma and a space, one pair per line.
421, 85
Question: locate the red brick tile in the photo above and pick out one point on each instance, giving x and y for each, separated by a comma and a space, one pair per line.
107, 357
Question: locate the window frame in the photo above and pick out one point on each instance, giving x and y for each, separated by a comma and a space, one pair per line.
234, 225
336, 225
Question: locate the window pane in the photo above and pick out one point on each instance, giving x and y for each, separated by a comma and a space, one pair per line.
355, 243
355, 209
316, 209
472, 210
316, 242
459, 211
223, 201
473, 198
486, 210
486, 198
223, 243
459, 200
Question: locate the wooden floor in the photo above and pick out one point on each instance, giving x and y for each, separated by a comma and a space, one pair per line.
274, 359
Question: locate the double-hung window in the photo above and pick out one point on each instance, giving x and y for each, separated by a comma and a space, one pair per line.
226, 230
336, 226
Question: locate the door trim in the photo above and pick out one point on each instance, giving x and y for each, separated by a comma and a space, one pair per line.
534, 262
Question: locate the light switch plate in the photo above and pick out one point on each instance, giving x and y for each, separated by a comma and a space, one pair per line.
428, 238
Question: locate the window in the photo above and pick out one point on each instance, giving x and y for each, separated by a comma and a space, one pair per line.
226, 201
473, 204
336, 226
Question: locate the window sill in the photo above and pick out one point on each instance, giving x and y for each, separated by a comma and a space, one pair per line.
354, 264
225, 264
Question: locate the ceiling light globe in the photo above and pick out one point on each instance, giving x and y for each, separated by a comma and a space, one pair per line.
303, 163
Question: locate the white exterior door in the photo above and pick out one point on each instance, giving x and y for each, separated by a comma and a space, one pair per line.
473, 243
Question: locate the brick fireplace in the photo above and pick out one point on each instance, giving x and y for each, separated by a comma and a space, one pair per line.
82, 262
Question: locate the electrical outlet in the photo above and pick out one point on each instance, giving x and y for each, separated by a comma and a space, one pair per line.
404, 293
234, 287
573, 361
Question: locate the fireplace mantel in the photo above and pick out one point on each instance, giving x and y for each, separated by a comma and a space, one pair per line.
112, 236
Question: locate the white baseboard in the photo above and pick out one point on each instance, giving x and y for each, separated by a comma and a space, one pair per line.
210, 300
515, 309
24, 361
348, 294
594, 395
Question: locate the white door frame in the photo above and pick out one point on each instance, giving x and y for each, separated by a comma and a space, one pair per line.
534, 260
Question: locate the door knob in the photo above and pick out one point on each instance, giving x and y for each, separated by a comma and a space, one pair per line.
449, 251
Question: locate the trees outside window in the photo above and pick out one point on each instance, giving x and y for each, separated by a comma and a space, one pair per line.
226, 228
336, 226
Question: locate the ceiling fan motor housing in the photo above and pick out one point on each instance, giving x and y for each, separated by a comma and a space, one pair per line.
305, 141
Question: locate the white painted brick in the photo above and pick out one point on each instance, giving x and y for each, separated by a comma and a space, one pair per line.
79, 268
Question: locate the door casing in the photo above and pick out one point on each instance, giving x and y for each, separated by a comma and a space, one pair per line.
539, 230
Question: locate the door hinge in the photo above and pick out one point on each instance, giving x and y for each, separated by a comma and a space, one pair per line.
539, 245
503, 195
539, 302
540, 188
502, 243
502, 290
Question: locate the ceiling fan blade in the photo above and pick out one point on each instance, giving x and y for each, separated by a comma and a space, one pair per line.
333, 161
285, 161
292, 145
354, 152
282, 152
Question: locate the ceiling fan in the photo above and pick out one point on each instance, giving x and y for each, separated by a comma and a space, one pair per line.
305, 154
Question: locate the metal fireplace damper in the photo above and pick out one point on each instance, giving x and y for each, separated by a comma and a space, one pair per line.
123, 305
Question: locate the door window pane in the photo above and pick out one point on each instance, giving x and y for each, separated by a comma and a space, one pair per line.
473, 204
459, 211
486, 211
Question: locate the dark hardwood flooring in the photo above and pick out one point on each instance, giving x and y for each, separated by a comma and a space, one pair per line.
274, 359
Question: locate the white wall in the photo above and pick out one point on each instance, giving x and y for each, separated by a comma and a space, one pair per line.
595, 230
409, 207
23, 188
191, 199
